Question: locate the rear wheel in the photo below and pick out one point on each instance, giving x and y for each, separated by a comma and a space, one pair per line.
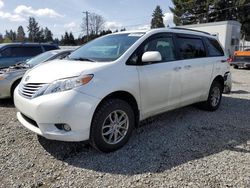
112, 125
214, 97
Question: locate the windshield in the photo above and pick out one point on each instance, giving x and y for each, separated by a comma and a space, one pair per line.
41, 58
108, 48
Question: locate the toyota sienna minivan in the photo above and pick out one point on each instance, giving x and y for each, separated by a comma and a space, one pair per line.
104, 89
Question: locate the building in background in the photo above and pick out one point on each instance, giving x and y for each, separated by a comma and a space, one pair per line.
228, 33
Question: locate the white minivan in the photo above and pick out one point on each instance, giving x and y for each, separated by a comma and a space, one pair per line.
104, 89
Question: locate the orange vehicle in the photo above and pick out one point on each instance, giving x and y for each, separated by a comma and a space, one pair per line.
241, 59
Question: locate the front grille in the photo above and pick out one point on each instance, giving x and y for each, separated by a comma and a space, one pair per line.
31, 121
31, 90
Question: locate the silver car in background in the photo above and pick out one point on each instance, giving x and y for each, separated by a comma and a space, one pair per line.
11, 77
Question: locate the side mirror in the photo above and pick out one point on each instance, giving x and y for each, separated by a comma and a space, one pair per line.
151, 56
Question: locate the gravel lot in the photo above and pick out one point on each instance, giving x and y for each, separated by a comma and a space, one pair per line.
183, 148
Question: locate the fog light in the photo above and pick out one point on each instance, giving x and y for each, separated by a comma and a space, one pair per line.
64, 127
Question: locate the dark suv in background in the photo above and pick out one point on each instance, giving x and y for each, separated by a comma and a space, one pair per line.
13, 53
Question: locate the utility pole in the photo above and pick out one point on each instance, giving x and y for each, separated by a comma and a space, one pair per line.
87, 23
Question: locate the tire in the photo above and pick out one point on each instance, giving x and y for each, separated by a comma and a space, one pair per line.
236, 67
107, 134
13, 87
214, 97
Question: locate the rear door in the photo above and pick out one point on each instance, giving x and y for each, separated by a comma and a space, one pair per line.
160, 86
196, 68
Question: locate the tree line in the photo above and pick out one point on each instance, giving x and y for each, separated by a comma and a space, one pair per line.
185, 12
35, 34
38, 34
205, 11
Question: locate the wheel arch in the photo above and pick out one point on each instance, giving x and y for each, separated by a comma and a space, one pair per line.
13, 85
220, 79
126, 96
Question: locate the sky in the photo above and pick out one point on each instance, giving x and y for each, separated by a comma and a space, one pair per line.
66, 15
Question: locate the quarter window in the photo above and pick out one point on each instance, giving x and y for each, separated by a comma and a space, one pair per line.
191, 48
214, 48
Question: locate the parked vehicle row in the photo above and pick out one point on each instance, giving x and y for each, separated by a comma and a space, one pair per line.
11, 77
104, 88
12, 53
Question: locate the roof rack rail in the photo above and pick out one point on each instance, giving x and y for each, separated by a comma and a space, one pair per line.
181, 28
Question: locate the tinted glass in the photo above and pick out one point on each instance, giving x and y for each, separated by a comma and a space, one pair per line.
22, 51
108, 48
191, 48
6, 52
164, 45
49, 47
214, 48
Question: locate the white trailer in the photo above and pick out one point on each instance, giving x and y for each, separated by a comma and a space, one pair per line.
228, 33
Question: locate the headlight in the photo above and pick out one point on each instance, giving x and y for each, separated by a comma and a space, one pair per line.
3, 76
68, 84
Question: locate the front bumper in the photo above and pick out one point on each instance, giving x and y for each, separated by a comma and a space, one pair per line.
5, 87
41, 114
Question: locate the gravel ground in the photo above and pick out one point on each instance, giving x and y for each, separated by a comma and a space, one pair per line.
182, 148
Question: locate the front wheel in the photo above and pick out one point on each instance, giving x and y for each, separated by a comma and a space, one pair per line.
214, 97
112, 125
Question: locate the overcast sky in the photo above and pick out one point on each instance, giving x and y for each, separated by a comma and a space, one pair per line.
66, 15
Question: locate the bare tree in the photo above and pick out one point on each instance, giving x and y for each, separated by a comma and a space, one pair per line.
93, 22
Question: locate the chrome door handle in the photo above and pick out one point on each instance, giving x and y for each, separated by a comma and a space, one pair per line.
177, 68
188, 67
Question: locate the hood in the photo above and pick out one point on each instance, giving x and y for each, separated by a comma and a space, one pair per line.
60, 69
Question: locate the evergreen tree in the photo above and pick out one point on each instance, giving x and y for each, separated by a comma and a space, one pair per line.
199, 11
157, 20
11, 35
71, 39
20, 34
34, 30
48, 36
1, 38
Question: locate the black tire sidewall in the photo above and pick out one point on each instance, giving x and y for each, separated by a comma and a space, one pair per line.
209, 101
99, 117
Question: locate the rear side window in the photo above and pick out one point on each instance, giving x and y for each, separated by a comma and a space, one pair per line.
26, 51
48, 47
22, 51
214, 48
191, 48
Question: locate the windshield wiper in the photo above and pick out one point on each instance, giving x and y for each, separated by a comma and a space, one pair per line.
83, 59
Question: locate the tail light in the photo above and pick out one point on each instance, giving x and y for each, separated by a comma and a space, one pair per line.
230, 60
